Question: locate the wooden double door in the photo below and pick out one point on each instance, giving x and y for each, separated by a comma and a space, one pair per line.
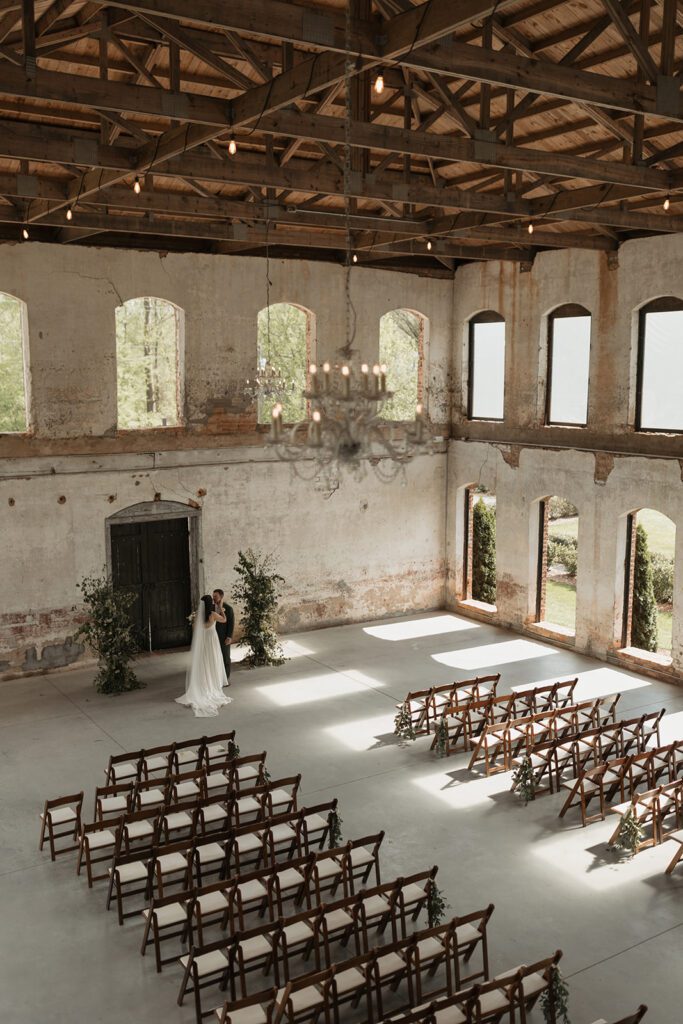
152, 560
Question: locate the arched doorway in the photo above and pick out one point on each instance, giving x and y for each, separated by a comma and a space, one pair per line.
153, 551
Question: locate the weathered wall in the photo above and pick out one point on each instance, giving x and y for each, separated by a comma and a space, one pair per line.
616, 469
345, 557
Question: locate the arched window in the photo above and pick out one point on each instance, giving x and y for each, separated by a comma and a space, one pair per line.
285, 341
569, 350
401, 348
557, 564
13, 365
649, 582
148, 363
660, 366
486, 367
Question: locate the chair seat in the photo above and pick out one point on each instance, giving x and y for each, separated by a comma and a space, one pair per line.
531, 984
247, 771
360, 856
151, 796
282, 833
337, 919
493, 1002
430, 948
173, 913
138, 829
170, 862
290, 878
210, 852
249, 841
303, 999
349, 980
300, 931
216, 780
248, 805
216, 750
109, 804
316, 822
98, 840
214, 812
413, 893
60, 815
467, 933
375, 906
280, 796
255, 1014
253, 890
256, 948
186, 789
329, 867
134, 872
212, 902
179, 819
156, 764
185, 756
390, 963
208, 963
124, 771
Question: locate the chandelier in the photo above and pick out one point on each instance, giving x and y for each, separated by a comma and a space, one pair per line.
267, 384
345, 431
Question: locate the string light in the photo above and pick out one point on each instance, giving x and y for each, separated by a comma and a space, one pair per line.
232, 146
69, 213
24, 233
667, 203
355, 257
137, 187
379, 84
530, 228
429, 246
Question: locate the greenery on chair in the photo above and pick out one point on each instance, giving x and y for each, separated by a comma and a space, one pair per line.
335, 836
110, 634
442, 736
403, 725
436, 905
555, 999
258, 589
234, 748
644, 617
523, 781
483, 552
630, 834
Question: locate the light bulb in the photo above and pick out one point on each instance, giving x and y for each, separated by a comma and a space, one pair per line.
24, 233
383, 368
312, 368
316, 416
355, 258
530, 229
364, 368
375, 370
277, 409
137, 187
418, 409
232, 146
69, 213
345, 371
429, 246
667, 203
379, 84
326, 367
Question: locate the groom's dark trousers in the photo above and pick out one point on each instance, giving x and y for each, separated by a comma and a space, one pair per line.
225, 629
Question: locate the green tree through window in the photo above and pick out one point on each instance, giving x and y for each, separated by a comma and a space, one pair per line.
13, 418
147, 363
284, 342
400, 348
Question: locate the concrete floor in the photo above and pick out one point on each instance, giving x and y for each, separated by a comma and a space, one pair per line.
328, 713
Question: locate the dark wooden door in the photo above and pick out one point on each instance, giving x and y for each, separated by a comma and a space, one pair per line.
152, 559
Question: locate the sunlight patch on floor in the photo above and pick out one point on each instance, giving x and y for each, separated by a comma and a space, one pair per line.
671, 727
583, 855
364, 733
491, 655
462, 793
595, 682
322, 687
413, 629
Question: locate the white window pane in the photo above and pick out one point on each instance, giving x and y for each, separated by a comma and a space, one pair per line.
488, 371
571, 350
662, 374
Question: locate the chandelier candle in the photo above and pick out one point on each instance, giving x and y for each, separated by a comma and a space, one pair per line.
276, 423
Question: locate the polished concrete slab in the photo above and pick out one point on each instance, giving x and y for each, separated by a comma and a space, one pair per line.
328, 713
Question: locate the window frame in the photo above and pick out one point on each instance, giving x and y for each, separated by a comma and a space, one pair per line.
567, 310
665, 304
488, 316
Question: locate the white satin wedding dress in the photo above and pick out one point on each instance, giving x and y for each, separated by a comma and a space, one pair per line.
206, 675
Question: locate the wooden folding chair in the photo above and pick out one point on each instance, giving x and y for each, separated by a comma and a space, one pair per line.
167, 917
113, 801
124, 767
61, 819
96, 846
218, 748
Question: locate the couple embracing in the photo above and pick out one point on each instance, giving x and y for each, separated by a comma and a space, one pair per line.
209, 670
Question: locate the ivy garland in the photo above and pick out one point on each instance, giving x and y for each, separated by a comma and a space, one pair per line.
442, 737
336, 823
555, 999
630, 835
234, 749
403, 725
436, 905
523, 781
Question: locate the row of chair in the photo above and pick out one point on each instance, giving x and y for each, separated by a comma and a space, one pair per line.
169, 758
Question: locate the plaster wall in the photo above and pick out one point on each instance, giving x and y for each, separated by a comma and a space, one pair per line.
346, 556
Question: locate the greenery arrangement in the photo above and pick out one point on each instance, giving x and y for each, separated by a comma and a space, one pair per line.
233, 748
484, 552
109, 632
555, 999
436, 905
442, 736
560, 508
403, 725
335, 836
630, 834
258, 589
644, 616
523, 781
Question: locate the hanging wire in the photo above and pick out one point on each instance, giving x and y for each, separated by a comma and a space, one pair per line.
350, 312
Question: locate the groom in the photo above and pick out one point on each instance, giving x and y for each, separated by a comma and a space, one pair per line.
224, 629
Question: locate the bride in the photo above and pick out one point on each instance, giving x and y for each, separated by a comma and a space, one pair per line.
206, 675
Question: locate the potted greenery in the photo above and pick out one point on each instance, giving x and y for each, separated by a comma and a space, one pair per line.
258, 589
442, 736
403, 725
523, 781
630, 834
110, 634
555, 999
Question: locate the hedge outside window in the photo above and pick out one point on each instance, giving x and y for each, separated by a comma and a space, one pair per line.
401, 334
660, 366
569, 347
148, 363
13, 365
486, 376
